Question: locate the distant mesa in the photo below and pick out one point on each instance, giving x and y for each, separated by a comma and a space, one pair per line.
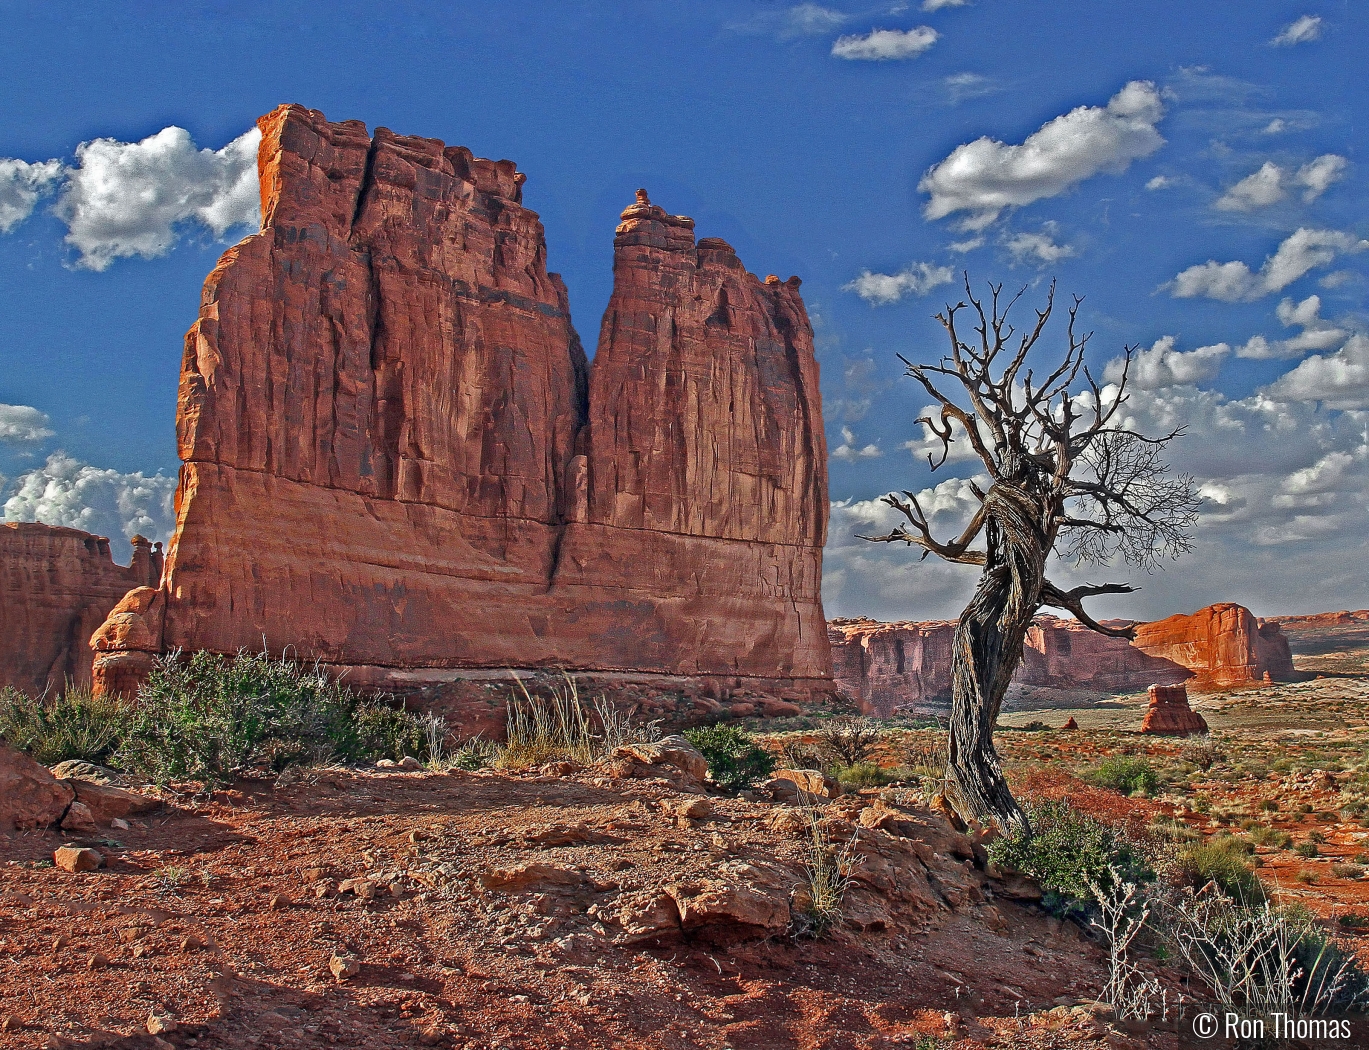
398, 461
890, 667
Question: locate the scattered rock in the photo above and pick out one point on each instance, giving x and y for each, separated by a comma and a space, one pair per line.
409, 763
79, 818
107, 802
387, 763
279, 901
10, 1023
691, 808
802, 785
119, 824
532, 874
97, 962
78, 858
192, 942
344, 966
659, 758
366, 889
160, 1023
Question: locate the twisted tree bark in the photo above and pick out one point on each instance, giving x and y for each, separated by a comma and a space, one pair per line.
987, 650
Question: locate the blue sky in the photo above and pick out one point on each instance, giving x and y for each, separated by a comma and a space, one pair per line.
1196, 170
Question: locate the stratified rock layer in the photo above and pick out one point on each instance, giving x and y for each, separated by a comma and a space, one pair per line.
56, 586
397, 458
886, 667
1223, 645
1169, 713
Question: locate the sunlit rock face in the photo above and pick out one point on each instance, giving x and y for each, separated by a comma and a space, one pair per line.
397, 458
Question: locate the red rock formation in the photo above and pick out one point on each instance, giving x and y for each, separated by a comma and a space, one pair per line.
1169, 713
1070, 725
56, 586
397, 460
1224, 645
30, 796
886, 667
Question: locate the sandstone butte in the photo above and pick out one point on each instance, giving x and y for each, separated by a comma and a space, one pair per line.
397, 460
57, 585
886, 667
1169, 713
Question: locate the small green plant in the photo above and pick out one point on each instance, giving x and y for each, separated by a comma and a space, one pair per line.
169, 878
1223, 861
864, 775
74, 724
735, 760
1129, 774
475, 753
1070, 854
1307, 849
1263, 835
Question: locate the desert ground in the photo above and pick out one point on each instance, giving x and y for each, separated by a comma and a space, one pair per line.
610, 907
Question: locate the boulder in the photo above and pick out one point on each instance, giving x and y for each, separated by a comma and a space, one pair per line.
78, 858
745, 901
660, 756
802, 786
30, 796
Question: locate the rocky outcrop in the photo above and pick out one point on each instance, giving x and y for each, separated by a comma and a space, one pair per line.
889, 667
56, 586
397, 460
30, 796
1223, 645
1169, 713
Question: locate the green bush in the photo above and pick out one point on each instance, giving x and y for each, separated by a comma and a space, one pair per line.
735, 760
1307, 850
1267, 836
72, 725
863, 775
210, 717
1069, 853
1128, 774
1225, 862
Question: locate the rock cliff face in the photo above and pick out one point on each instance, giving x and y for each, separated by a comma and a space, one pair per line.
396, 457
907, 666
56, 586
1223, 645
887, 667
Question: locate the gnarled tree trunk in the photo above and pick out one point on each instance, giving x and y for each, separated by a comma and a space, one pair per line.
987, 650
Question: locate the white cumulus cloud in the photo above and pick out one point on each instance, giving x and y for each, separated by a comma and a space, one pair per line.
806, 19
882, 45
1317, 332
1302, 31
65, 491
984, 177
1231, 282
1038, 248
23, 424
1337, 381
937, 5
21, 186
129, 198
1268, 185
881, 289
1162, 366
851, 450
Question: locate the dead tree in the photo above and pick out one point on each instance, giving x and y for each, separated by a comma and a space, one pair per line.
1068, 477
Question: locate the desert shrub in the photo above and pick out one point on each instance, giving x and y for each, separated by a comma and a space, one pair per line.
864, 775
475, 753
1071, 854
829, 870
564, 727
847, 741
1316, 836
1263, 835
1270, 805
74, 724
1128, 774
210, 717
1201, 752
1306, 850
1347, 871
796, 754
735, 760
1260, 956
1224, 862
927, 758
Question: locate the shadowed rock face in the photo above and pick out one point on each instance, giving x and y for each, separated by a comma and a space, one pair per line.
56, 586
890, 666
396, 456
